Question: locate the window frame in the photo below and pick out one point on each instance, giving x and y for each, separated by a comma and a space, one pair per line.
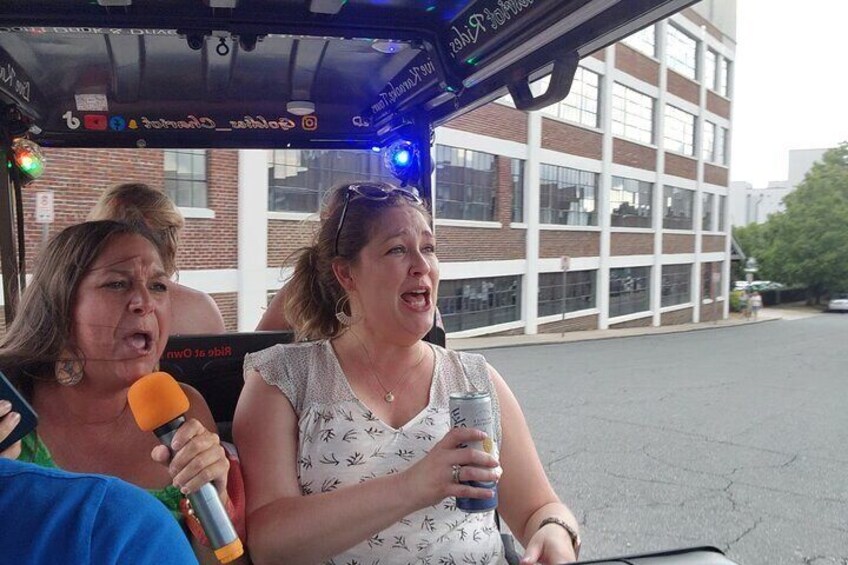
577, 298
679, 131
465, 185
672, 222
565, 178
196, 186
640, 42
644, 216
577, 106
675, 285
505, 288
681, 57
630, 113
622, 307
319, 175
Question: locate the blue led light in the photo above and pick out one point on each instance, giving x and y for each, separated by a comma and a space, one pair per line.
400, 159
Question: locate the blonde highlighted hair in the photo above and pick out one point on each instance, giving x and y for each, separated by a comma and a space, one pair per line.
137, 202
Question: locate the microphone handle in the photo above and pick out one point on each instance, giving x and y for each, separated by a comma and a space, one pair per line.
205, 502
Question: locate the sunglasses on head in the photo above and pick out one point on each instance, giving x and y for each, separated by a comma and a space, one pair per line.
373, 192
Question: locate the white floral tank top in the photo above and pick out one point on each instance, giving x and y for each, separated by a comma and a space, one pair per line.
342, 443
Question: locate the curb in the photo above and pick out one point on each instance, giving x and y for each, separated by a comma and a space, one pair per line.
575, 337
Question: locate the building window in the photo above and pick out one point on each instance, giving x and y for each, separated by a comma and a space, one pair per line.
579, 292
517, 168
644, 40
676, 284
714, 142
185, 177
632, 114
567, 196
709, 286
723, 86
679, 131
720, 145
581, 104
708, 142
298, 179
631, 203
476, 303
707, 199
678, 208
466, 184
721, 204
681, 52
710, 68
717, 72
629, 290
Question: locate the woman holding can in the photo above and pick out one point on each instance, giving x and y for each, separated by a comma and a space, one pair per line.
346, 441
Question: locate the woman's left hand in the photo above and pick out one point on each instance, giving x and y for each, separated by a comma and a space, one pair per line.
198, 459
550, 545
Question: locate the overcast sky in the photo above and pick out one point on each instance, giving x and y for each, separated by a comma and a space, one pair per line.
791, 83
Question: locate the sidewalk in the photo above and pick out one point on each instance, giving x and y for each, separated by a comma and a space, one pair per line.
771, 314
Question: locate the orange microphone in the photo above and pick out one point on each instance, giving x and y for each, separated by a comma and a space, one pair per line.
159, 405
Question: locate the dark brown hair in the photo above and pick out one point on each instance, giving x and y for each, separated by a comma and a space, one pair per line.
41, 329
311, 295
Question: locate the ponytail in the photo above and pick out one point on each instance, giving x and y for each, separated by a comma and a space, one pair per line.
311, 296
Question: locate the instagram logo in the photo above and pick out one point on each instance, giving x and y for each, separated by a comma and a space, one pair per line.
309, 123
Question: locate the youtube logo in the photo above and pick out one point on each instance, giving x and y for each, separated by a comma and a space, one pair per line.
95, 121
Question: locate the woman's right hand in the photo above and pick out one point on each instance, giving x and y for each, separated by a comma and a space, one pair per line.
431, 480
8, 422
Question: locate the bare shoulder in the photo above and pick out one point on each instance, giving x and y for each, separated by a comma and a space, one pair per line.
198, 407
273, 318
194, 312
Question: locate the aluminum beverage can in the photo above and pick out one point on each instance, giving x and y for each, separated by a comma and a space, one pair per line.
474, 410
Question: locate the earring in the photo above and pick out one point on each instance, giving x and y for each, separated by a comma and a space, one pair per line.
343, 317
69, 371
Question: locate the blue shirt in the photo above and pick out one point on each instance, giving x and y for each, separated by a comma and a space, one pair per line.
51, 516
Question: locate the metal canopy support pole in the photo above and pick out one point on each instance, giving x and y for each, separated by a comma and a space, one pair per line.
8, 253
423, 133
424, 141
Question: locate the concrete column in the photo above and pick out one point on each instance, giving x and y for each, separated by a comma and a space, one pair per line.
659, 200
698, 212
605, 103
530, 288
252, 236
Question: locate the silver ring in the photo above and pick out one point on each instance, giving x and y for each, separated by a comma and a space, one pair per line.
456, 469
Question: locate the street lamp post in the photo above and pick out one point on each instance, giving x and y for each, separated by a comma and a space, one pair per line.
751, 267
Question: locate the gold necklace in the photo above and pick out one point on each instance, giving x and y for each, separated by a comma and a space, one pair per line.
389, 396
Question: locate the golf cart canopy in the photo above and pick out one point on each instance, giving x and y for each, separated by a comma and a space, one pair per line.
286, 73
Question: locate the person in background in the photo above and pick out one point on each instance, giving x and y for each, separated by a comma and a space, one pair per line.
194, 311
93, 320
345, 442
756, 303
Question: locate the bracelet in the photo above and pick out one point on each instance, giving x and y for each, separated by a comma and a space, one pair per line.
575, 537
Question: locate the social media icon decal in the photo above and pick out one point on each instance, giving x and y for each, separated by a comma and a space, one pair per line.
95, 122
117, 123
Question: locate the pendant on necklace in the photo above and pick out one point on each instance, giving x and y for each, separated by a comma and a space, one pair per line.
389, 397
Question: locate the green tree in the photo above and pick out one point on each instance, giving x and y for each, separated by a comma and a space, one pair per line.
807, 244
754, 239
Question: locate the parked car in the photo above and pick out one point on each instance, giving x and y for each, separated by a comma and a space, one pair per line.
838, 302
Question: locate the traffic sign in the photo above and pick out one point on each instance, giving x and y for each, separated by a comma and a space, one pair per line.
44, 207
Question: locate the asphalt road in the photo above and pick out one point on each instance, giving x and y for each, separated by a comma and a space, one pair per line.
735, 437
